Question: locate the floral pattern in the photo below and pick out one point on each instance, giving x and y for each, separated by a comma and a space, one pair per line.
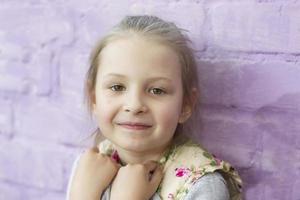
182, 171
183, 166
193, 173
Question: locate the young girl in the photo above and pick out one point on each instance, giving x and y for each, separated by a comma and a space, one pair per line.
142, 87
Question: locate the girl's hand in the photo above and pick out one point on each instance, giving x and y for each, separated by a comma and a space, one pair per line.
136, 182
93, 174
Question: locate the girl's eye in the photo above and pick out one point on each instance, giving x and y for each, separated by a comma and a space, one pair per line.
157, 91
117, 88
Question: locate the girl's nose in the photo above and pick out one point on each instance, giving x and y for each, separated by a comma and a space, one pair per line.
134, 103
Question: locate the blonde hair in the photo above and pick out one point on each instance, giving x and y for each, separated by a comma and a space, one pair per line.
150, 27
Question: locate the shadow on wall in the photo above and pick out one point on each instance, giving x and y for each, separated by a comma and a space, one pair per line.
279, 153
253, 133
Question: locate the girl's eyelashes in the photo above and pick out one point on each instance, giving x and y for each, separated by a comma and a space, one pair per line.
117, 87
156, 91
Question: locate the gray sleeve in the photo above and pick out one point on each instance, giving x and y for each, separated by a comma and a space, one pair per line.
106, 195
212, 186
209, 187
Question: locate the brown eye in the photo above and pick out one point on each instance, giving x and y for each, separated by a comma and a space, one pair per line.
157, 91
117, 88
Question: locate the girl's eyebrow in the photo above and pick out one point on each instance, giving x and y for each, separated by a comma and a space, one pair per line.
150, 79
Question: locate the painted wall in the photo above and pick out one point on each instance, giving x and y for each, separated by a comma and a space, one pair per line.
248, 55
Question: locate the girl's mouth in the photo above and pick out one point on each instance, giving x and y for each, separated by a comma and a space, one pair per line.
134, 126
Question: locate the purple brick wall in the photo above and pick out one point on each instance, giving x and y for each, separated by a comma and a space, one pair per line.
249, 55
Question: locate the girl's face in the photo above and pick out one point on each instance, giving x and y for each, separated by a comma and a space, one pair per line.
138, 94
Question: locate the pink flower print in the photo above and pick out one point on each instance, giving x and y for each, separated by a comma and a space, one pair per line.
170, 196
182, 171
218, 161
115, 156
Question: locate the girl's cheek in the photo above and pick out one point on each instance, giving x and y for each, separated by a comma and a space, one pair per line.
169, 114
106, 111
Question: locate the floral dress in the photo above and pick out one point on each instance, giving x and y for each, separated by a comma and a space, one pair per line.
183, 165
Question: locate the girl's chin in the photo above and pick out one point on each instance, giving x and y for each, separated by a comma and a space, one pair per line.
132, 146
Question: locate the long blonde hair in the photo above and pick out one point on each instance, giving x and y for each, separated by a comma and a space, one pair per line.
161, 31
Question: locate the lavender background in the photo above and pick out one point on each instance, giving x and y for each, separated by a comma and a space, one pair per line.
249, 53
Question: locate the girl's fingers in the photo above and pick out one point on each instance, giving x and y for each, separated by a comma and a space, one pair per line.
156, 176
116, 164
154, 171
150, 165
95, 149
91, 150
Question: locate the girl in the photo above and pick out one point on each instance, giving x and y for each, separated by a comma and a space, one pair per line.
142, 87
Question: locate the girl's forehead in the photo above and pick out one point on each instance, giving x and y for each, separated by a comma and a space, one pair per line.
138, 56
150, 78
139, 47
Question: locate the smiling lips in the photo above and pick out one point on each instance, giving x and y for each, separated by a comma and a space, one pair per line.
134, 126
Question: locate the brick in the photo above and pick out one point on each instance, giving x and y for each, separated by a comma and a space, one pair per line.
19, 192
73, 66
272, 84
277, 154
263, 184
6, 118
27, 62
41, 72
223, 127
13, 77
279, 160
283, 125
254, 191
9, 192
239, 156
56, 121
27, 21
92, 25
21, 77
173, 11
296, 192
256, 136
283, 188
51, 164
258, 27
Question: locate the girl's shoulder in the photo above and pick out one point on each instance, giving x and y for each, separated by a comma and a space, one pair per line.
188, 153
186, 163
210, 186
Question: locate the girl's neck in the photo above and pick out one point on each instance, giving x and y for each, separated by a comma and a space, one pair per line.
140, 157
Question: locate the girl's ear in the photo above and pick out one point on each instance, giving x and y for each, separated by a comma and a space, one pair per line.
93, 101
185, 114
93, 108
188, 107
